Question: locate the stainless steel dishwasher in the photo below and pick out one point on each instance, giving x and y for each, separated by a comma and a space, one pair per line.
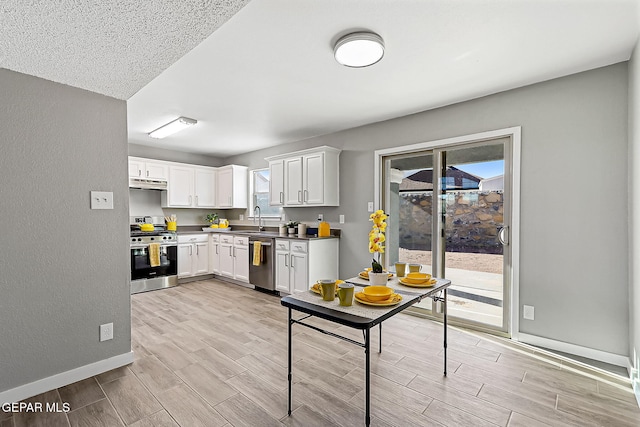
262, 276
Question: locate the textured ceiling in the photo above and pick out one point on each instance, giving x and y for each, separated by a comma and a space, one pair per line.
112, 47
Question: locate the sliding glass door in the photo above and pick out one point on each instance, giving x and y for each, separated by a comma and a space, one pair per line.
450, 212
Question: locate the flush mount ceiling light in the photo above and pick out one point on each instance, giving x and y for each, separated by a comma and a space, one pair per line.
172, 127
359, 49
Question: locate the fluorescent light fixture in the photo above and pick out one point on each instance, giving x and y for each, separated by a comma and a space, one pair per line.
358, 50
172, 127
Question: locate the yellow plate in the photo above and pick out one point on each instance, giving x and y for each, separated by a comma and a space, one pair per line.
395, 299
365, 275
316, 287
426, 284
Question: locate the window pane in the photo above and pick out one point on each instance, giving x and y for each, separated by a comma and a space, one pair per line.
261, 183
265, 209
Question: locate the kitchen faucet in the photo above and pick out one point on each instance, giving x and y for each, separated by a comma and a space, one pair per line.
260, 227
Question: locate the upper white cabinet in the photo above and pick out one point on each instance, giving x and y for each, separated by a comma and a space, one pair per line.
190, 187
148, 169
305, 178
232, 187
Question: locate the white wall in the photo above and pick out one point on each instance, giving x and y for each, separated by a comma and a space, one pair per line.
64, 269
574, 177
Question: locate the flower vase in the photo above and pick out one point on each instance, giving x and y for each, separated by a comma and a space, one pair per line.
378, 279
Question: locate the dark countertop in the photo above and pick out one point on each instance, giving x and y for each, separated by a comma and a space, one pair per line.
251, 231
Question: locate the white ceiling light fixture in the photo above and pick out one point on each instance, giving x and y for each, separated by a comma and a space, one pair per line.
172, 127
358, 50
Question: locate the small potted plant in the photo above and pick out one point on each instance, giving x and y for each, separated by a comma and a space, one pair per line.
291, 226
213, 220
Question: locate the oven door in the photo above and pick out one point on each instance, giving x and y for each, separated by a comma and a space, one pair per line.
141, 267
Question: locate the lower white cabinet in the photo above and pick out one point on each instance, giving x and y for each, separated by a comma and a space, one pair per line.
193, 255
234, 257
214, 253
300, 263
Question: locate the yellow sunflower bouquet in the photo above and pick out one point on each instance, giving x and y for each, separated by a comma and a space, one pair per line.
376, 238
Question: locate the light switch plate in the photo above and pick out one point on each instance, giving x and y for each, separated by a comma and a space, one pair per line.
101, 200
341, 219
528, 312
370, 206
106, 332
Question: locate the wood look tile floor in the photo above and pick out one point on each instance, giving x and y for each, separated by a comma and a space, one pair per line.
209, 353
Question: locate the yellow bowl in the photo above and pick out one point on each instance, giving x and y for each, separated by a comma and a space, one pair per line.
377, 293
146, 227
418, 276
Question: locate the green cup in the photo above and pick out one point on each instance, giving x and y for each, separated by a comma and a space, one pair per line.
345, 293
400, 268
328, 289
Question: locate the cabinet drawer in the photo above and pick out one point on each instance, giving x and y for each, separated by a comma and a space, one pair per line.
226, 239
215, 237
241, 241
299, 247
192, 238
282, 245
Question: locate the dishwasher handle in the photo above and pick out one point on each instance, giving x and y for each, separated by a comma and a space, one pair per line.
261, 243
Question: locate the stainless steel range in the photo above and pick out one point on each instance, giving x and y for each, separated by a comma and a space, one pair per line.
154, 256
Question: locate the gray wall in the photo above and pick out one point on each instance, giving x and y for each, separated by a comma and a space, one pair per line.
574, 136
634, 213
173, 156
64, 269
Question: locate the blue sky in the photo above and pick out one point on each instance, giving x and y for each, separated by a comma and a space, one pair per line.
484, 169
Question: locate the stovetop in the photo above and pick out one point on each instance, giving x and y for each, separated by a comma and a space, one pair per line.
158, 236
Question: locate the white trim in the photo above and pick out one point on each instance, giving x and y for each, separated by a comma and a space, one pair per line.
590, 353
65, 378
515, 134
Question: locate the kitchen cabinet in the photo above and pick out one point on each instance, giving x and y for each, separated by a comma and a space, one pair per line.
193, 255
190, 187
232, 187
241, 258
234, 257
214, 253
295, 272
305, 178
148, 169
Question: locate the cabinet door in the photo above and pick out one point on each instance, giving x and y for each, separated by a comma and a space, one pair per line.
293, 181
136, 168
180, 187
214, 258
205, 188
156, 170
225, 188
313, 193
299, 273
201, 258
226, 260
276, 183
185, 267
282, 272
241, 263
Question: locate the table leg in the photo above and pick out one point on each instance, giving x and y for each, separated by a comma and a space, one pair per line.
367, 382
380, 348
444, 310
289, 362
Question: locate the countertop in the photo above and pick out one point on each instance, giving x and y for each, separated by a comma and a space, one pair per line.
185, 230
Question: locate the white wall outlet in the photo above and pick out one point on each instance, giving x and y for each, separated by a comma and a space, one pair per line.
369, 206
528, 312
341, 219
101, 200
106, 332
241, 217
320, 217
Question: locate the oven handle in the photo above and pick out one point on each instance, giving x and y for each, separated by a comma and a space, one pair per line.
144, 246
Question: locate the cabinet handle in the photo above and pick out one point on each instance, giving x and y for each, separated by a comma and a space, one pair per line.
305, 197
197, 250
190, 250
282, 197
147, 173
139, 172
299, 196
197, 204
292, 258
217, 246
234, 252
286, 260
230, 251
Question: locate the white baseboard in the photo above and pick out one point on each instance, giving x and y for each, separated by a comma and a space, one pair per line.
65, 378
590, 353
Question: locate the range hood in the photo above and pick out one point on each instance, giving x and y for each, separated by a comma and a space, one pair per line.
147, 184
